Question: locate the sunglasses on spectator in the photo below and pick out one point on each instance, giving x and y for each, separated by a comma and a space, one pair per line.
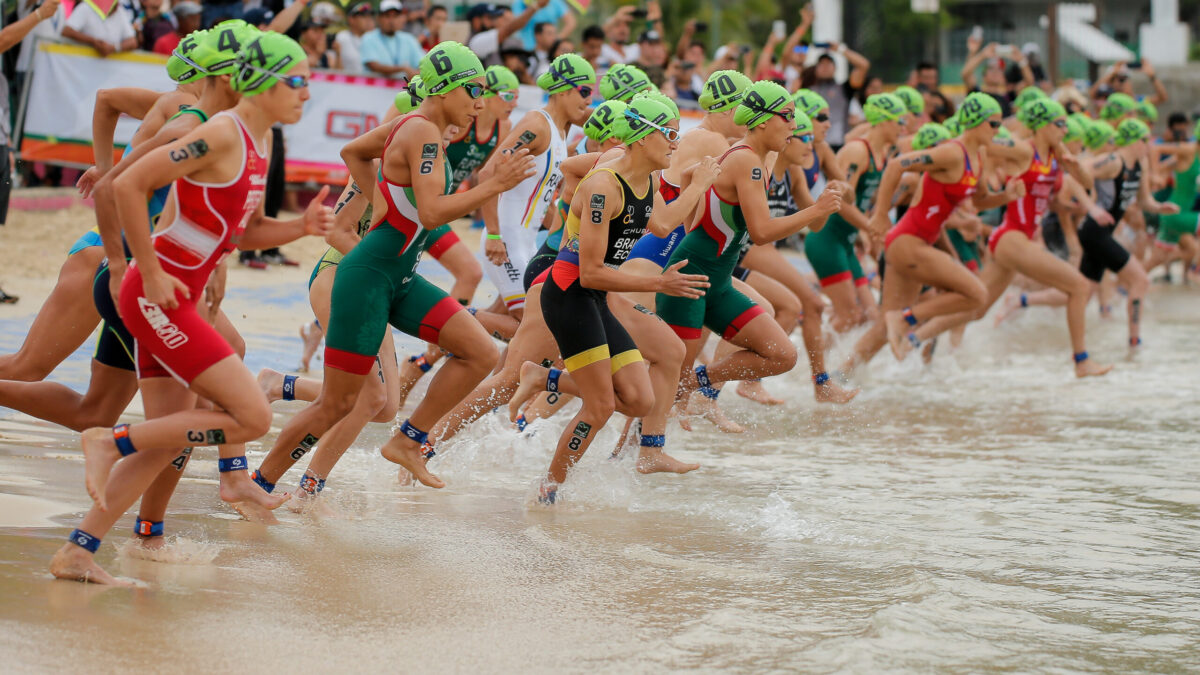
290, 81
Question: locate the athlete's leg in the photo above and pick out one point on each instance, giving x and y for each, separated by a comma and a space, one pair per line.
899, 291
910, 256
595, 382
311, 335
1134, 279
846, 312
109, 392
996, 278
465, 269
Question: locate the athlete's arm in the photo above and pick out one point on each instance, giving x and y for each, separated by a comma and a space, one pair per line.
747, 182
666, 217
1074, 192
343, 235
944, 160
984, 198
263, 232
110, 105
575, 168
1106, 166
531, 134
1073, 167
360, 155
1146, 201
853, 160
1019, 152
829, 165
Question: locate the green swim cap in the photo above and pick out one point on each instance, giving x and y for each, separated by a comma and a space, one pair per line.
723, 91
804, 124
758, 102
913, 100
1003, 133
181, 65
1147, 112
1039, 112
1075, 130
600, 126
568, 71
264, 60
809, 102
409, 98
1130, 131
1030, 93
953, 126
881, 108
633, 125
622, 81
660, 97
448, 66
1097, 134
218, 51
930, 135
498, 79
1118, 105
976, 108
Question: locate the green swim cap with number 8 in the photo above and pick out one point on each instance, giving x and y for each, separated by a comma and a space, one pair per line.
264, 61
568, 71
759, 103
448, 66
1040, 112
632, 126
600, 125
809, 102
497, 79
1130, 131
881, 108
723, 91
976, 108
930, 135
913, 100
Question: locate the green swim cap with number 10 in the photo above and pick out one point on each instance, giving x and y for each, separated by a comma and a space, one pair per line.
447, 67
760, 102
976, 108
264, 61
723, 91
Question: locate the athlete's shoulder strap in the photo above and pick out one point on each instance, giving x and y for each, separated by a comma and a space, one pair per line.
966, 155
386, 144
731, 151
193, 111
870, 152
620, 181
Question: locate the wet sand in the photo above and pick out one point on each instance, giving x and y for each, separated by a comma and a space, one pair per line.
988, 513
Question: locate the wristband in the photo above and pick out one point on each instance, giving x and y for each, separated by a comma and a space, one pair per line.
495, 237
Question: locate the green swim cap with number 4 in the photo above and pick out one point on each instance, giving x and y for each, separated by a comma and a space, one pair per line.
410, 97
600, 125
881, 108
568, 71
809, 102
181, 65
913, 100
642, 118
1130, 131
1117, 106
723, 91
1040, 112
976, 108
448, 66
266, 60
497, 79
761, 101
930, 135
622, 81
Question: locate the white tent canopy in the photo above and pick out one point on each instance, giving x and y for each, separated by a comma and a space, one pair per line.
1076, 29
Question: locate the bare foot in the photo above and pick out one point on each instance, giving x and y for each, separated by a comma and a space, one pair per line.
236, 486
928, 348
271, 383
75, 564
897, 333
1008, 307
956, 336
311, 335
755, 391
407, 454
709, 410
654, 460
99, 454
1086, 368
404, 477
255, 513
305, 502
149, 543
533, 380
832, 392
680, 412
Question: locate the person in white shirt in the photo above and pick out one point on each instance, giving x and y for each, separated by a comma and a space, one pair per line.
492, 25
107, 35
348, 43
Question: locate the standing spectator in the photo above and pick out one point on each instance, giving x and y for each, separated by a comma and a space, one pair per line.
492, 25
544, 36
555, 13
187, 15
681, 84
153, 23
1117, 79
994, 82
316, 46
593, 47
652, 56
389, 50
616, 33
216, 11
433, 27
1033, 57
514, 57
926, 77
348, 43
838, 94
107, 35
415, 25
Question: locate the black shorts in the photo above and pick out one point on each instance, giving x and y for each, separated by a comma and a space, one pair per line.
584, 327
114, 348
1100, 251
740, 273
1052, 235
540, 262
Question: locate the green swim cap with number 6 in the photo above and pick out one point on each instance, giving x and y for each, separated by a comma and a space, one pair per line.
410, 97
723, 91
759, 103
568, 71
930, 135
265, 60
1130, 131
881, 108
600, 125
1040, 112
809, 102
181, 65
913, 100
448, 66
641, 118
497, 79
1117, 106
976, 108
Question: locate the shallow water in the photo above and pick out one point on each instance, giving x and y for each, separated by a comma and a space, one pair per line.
989, 512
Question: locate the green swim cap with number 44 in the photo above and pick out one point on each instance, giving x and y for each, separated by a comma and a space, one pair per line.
976, 108
723, 91
449, 66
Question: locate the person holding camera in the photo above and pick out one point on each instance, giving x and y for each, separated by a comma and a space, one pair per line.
995, 84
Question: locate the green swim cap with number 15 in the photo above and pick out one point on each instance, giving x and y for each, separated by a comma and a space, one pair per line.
449, 66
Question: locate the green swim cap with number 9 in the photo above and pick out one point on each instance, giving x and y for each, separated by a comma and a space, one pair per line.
632, 126
1130, 131
976, 108
809, 102
881, 108
498, 79
265, 60
759, 102
930, 135
723, 91
568, 71
622, 81
448, 66
181, 65
660, 97
1040, 112
913, 100
410, 97
1118, 105
600, 125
